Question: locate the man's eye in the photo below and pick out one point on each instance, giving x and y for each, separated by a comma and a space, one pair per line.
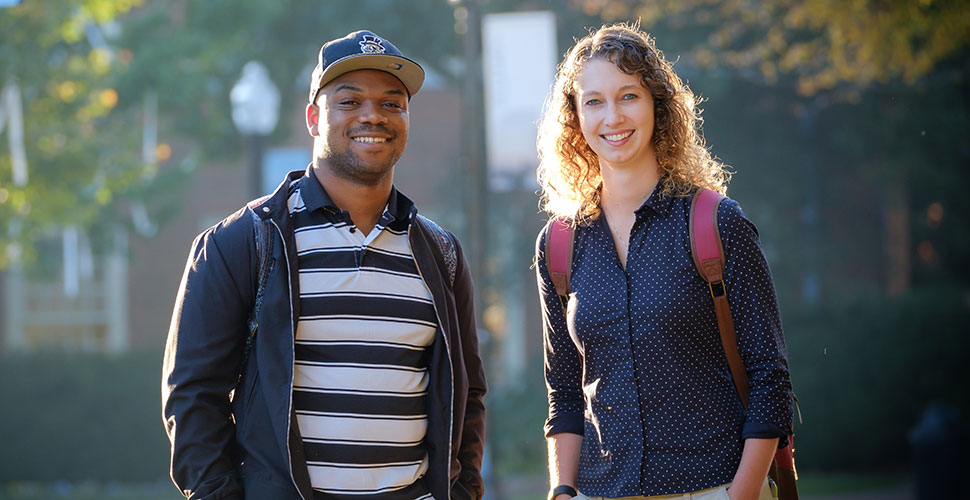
348, 102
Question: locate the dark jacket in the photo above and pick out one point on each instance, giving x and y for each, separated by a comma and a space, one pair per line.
242, 441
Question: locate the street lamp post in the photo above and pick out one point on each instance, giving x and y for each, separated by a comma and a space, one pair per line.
468, 25
255, 110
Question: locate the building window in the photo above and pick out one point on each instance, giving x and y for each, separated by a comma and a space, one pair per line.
69, 296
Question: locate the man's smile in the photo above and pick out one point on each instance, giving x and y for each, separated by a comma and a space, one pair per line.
369, 140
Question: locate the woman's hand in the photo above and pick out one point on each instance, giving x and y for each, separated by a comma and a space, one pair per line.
755, 462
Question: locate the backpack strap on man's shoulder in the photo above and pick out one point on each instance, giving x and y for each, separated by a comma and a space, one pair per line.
446, 245
263, 237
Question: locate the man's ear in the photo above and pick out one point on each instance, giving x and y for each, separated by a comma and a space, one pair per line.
312, 119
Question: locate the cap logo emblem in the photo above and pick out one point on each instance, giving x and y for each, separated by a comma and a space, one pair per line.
372, 45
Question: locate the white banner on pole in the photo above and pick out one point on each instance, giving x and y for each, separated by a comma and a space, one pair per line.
71, 270
519, 61
14, 118
149, 133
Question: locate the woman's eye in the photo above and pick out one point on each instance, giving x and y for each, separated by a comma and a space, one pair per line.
592, 102
627, 97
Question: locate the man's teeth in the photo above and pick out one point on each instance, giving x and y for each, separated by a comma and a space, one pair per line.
617, 137
371, 140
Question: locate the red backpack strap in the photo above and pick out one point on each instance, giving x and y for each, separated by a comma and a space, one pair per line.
559, 253
705, 239
708, 254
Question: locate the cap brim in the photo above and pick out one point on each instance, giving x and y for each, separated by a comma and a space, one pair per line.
406, 70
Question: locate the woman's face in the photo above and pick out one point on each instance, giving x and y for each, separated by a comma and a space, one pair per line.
615, 115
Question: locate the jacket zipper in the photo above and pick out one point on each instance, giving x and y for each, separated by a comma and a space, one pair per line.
289, 412
451, 370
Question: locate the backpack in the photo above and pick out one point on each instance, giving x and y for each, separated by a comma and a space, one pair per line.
708, 255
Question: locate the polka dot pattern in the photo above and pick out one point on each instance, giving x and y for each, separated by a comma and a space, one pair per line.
636, 366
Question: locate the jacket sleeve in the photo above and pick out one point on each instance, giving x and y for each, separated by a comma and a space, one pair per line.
757, 321
470, 484
202, 357
563, 363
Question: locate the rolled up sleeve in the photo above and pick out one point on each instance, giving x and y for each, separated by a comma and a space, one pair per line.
761, 343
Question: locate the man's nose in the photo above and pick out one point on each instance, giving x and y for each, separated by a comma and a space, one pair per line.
371, 112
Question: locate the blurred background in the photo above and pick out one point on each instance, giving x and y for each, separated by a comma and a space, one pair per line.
128, 126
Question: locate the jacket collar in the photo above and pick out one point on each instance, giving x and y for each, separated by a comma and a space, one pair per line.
273, 206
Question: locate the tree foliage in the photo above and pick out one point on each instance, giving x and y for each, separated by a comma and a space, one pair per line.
88, 68
821, 44
77, 138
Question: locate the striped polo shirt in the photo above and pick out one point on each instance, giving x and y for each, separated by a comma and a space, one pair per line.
361, 369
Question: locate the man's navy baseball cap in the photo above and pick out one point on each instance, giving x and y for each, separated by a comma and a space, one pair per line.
363, 50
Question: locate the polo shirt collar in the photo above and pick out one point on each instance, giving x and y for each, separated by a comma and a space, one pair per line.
400, 207
315, 197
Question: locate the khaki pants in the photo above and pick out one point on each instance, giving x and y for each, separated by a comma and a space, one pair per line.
718, 493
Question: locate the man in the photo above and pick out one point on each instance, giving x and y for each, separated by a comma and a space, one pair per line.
323, 344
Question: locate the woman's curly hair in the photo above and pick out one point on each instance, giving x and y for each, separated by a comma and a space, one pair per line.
569, 170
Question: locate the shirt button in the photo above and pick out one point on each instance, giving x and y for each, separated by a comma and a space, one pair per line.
266, 209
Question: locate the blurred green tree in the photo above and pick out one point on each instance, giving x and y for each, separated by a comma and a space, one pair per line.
55, 64
821, 43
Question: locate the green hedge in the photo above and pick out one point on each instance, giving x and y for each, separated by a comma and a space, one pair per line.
82, 417
865, 371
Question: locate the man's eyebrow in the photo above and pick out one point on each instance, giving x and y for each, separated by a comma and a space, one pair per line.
347, 87
351, 88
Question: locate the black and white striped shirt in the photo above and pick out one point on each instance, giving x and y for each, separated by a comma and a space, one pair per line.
360, 375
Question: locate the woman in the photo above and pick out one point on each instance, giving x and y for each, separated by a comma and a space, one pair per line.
641, 399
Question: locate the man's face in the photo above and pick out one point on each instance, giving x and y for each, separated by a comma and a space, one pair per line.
361, 123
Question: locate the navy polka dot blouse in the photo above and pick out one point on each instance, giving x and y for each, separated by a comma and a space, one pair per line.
636, 365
